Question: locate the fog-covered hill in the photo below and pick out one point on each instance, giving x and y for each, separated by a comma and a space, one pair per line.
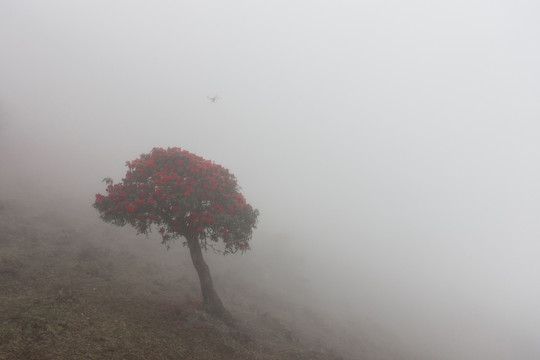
74, 288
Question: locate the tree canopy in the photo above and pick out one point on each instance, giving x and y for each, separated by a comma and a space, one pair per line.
183, 195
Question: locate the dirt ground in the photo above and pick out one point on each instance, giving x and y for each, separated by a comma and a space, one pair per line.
71, 289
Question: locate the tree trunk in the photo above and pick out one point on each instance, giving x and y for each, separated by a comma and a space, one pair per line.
211, 302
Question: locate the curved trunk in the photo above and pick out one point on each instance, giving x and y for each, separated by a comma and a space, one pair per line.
212, 303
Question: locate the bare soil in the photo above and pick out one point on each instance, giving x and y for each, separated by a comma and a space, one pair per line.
77, 289
72, 287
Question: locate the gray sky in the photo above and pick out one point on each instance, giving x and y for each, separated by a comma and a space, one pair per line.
395, 142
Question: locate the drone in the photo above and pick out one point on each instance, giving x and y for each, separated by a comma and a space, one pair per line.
213, 99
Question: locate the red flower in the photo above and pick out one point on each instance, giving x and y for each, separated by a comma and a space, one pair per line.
166, 185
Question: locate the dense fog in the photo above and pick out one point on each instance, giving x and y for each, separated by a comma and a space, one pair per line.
392, 147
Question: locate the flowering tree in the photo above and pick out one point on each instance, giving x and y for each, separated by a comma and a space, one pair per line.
184, 196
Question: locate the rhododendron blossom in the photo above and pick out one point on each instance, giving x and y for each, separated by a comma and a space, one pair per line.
183, 194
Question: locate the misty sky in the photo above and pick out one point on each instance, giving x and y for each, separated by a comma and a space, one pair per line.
395, 143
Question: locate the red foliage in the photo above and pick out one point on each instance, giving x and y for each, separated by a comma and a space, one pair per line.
184, 195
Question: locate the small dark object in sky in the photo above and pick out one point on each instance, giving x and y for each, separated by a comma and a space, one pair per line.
213, 99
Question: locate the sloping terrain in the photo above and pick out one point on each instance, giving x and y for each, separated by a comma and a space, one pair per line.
78, 289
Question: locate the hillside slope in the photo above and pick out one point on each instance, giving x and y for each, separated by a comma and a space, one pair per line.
76, 289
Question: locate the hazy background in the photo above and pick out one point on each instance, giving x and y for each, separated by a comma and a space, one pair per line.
393, 144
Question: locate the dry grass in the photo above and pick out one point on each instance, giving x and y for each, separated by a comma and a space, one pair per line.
71, 290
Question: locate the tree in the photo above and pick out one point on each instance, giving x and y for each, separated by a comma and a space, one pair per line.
184, 196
